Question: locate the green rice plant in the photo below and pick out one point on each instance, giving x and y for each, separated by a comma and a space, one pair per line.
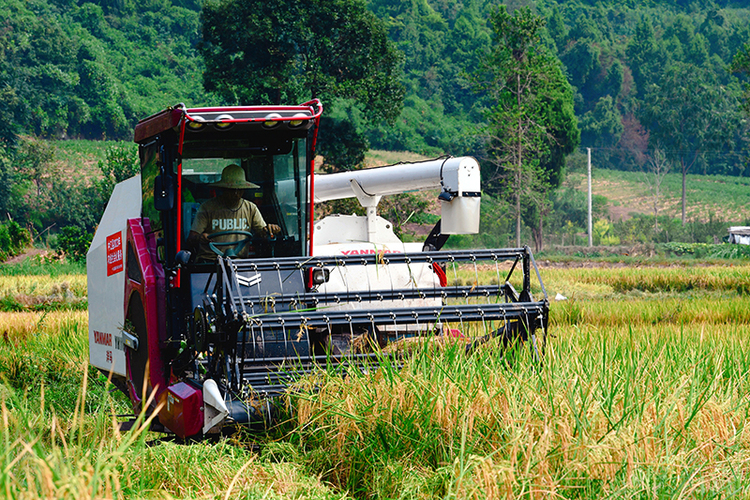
37, 266
614, 411
653, 310
57, 443
43, 293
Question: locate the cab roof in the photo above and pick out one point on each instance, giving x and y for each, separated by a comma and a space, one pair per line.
291, 118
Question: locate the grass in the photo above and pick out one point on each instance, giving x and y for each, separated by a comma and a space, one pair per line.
616, 413
42, 285
77, 155
643, 393
43, 267
717, 196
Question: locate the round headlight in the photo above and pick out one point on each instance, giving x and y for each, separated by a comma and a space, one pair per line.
222, 125
296, 123
196, 123
271, 120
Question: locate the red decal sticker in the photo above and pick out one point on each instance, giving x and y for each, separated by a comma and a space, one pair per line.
114, 254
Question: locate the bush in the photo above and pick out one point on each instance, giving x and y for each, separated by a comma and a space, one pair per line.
73, 243
13, 239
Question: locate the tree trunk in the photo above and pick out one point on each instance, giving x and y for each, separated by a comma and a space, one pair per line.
539, 236
684, 184
519, 162
518, 208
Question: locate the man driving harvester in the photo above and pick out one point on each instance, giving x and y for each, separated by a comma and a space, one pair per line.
228, 222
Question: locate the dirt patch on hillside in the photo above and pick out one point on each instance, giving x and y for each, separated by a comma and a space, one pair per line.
29, 253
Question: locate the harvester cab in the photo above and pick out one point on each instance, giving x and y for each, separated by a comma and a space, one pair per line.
201, 314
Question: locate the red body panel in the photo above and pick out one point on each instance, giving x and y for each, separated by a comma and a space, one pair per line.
157, 123
182, 413
151, 292
181, 404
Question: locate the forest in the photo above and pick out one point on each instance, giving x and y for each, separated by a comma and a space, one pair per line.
650, 80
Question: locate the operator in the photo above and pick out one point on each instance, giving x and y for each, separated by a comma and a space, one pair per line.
228, 211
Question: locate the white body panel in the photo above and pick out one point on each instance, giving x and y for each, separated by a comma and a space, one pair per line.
352, 229
105, 267
347, 235
460, 215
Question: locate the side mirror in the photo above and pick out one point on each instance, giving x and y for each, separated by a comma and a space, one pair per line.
163, 193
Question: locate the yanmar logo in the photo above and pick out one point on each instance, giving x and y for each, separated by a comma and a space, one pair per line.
368, 252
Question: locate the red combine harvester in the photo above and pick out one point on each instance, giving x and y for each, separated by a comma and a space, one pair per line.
215, 321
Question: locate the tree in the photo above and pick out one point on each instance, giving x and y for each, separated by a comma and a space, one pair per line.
342, 146
288, 51
658, 168
741, 64
121, 163
602, 126
531, 123
685, 113
34, 163
643, 54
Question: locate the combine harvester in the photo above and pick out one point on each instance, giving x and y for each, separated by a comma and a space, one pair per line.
213, 339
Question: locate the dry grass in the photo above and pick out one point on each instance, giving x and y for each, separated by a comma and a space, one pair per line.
20, 293
16, 328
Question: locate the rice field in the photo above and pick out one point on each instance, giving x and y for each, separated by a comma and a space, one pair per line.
644, 393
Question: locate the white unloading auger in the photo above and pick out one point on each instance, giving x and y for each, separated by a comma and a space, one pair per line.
457, 178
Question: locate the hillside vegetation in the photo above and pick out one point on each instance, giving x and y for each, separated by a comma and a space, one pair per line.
649, 79
91, 69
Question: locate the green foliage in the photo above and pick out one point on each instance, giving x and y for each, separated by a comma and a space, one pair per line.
302, 50
603, 234
44, 194
69, 69
741, 64
425, 129
13, 239
121, 162
341, 145
640, 229
602, 125
441, 42
725, 251
73, 243
289, 51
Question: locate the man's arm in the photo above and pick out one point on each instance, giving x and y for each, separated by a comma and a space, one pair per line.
195, 238
259, 225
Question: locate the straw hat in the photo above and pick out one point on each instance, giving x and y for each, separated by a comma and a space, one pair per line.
233, 177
